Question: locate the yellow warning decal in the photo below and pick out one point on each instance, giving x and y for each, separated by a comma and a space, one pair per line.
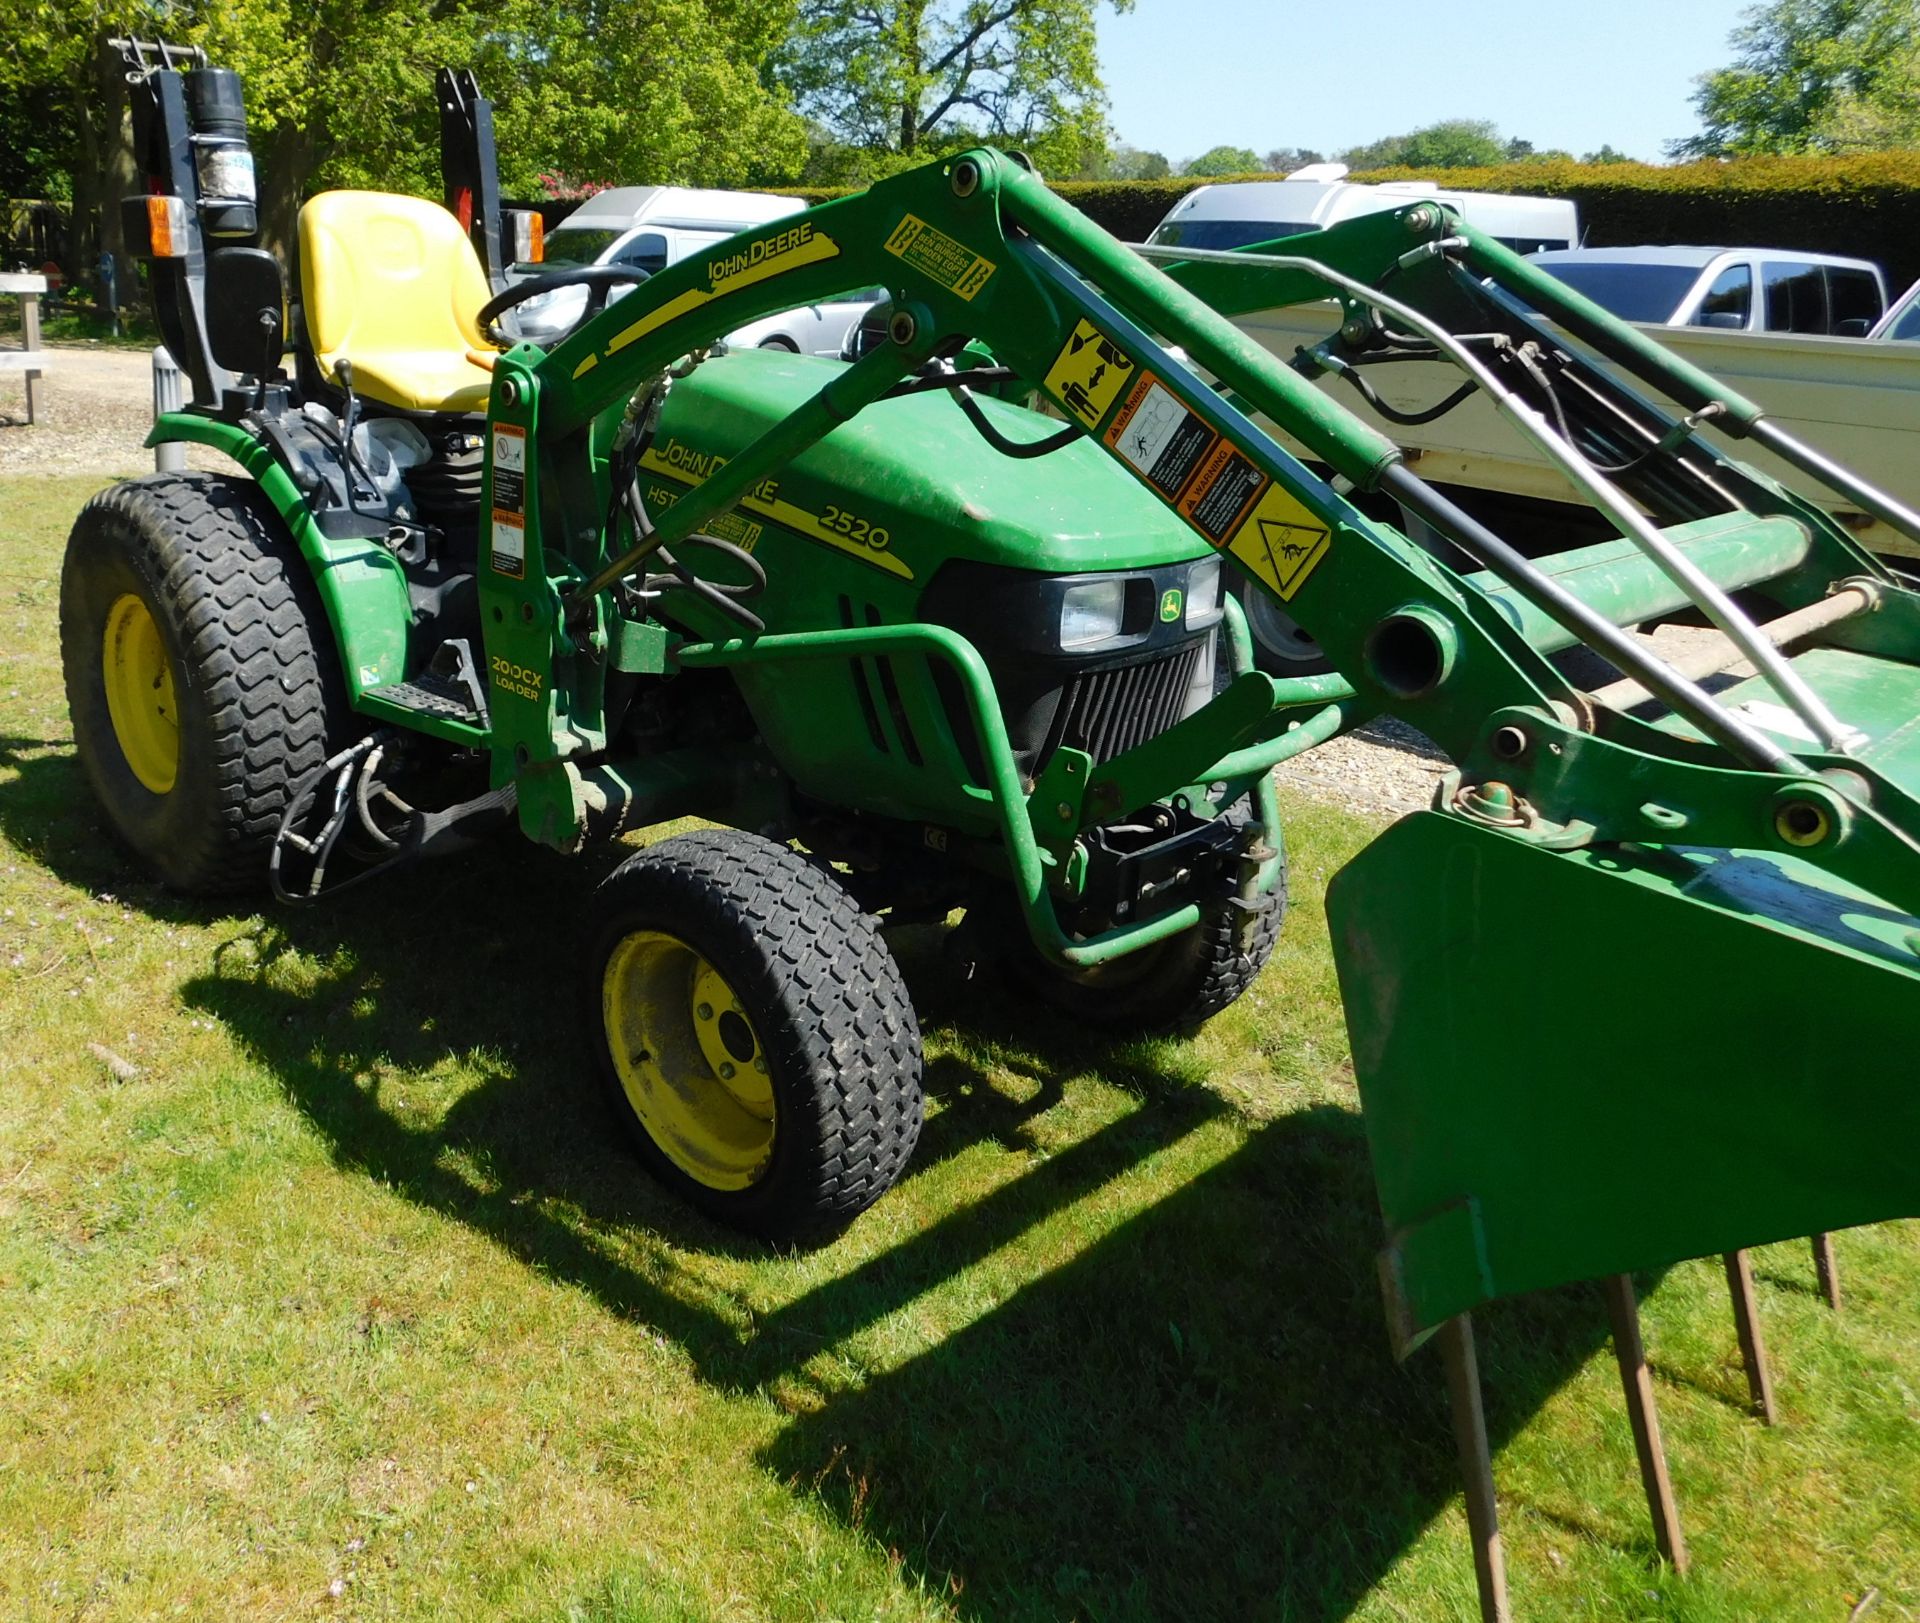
742, 532
1280, 541
1088, 374
870, 543
798, 245
1210, 482
933, 253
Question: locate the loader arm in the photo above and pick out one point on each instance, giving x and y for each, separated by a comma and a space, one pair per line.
1719, 898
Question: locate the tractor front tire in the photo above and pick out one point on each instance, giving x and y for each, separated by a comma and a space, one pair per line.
199, 670
755, 1037
1171, 986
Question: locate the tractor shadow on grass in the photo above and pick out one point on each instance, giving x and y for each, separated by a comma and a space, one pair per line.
48, 813
1197, 1417
1194, 1417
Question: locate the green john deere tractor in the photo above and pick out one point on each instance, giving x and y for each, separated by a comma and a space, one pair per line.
366, 650
920, 646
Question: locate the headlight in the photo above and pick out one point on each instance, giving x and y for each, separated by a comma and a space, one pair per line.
1203, 593
1091, 612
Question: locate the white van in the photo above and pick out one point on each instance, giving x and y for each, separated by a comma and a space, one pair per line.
652, 227
1320, 195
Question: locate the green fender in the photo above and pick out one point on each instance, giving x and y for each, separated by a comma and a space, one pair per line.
361, 585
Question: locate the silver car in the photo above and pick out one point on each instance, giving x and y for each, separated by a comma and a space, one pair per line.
649, 228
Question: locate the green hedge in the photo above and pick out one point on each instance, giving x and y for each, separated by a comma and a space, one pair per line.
1865, 206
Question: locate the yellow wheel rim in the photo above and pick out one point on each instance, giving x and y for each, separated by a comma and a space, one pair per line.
689, 1060
140, 703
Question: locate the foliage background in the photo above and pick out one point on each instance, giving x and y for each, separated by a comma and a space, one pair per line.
1808, 137
730, 93
1867, 205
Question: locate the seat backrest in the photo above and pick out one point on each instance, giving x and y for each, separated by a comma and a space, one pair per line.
380, 272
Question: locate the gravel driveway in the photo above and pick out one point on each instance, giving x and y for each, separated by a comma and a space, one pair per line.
1382, 770
99, 408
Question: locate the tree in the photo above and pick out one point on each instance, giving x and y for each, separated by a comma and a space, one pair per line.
59, 63
36, 139
1223, 161
1813, 75
899, 79
1454, 143
1606, 154
340, 92
1130, 163
645, 92
1887, 120
1284, 160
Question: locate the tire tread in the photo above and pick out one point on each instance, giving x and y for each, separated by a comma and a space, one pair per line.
257, 651
847, 1023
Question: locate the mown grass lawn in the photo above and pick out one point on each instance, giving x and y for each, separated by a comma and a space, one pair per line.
328, 1292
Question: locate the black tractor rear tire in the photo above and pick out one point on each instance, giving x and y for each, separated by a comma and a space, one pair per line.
202, 570
1172, 986
819, 1010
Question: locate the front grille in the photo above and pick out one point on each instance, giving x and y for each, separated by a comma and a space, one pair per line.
864, 671
1106, 713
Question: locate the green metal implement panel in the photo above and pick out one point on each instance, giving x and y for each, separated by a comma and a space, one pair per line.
1878, 696
1580, 1064
914, 470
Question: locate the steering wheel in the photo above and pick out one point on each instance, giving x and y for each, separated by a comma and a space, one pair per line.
596, 278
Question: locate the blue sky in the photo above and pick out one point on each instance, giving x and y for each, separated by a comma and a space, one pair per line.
1186, 75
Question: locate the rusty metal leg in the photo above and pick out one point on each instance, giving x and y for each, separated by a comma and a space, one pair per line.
1828, 1269
1476, 1466
1637, 1381
1746, 1322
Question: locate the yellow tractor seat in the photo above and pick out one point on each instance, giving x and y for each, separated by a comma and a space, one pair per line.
392, 284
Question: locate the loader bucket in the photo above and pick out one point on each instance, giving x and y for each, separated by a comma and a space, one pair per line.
1578, 1064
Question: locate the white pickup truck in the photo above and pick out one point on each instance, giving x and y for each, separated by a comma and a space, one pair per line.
1856, 399
1753, 290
